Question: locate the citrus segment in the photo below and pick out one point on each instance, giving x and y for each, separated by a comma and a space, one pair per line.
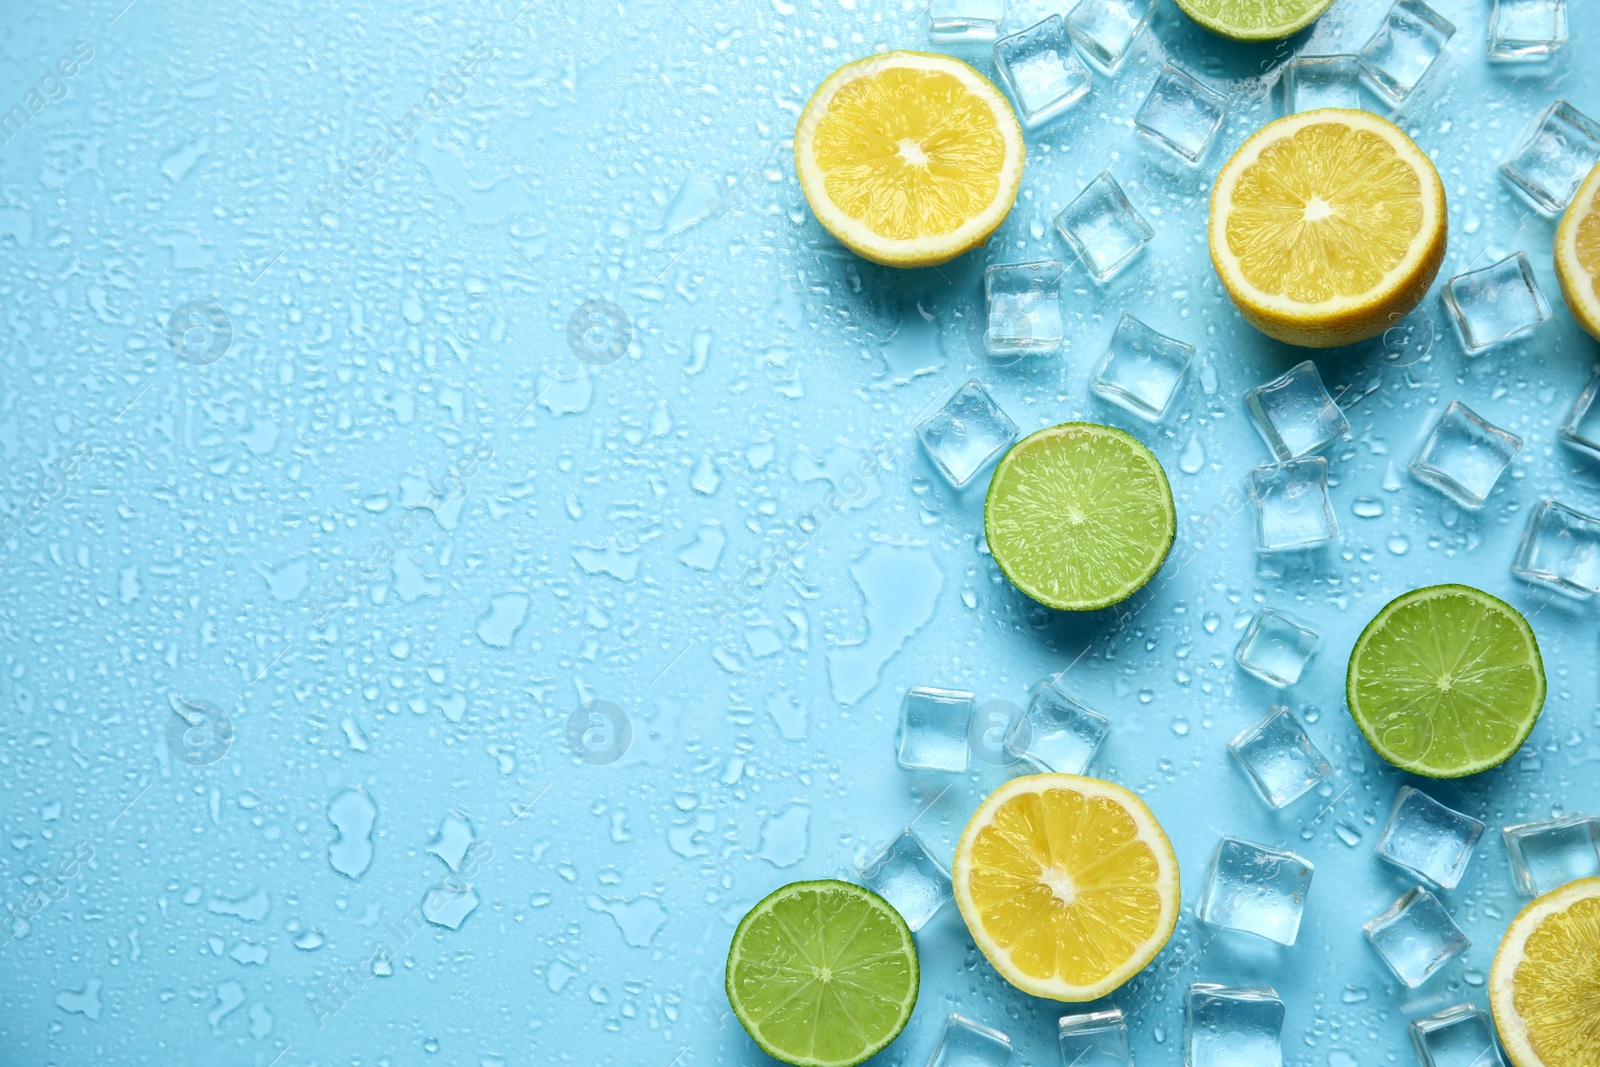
822, 974
1067, 884
1079, 516
1327, 227
1446, 681
1544, 987
1254, 20
1578, 254
908, 158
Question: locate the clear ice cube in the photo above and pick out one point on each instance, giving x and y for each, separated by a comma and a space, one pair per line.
1407, 43
1282, 761
965, 1043
1181, 113
1275, 648
966, 432
933, 729
1526, 30
1294, 414
1547, 855
1496, 303
1292, 505
1560, 550
908, 876
1056, 733
1461, 1036
1142, 369
1096, 1039
1044, 75
1310, 82
1103, 228
1464, 455
1428, 839
1106, 29
1256, 889
1416, 937
1232, 1027
1554, 156
965, 21
1581, 429
1024, 308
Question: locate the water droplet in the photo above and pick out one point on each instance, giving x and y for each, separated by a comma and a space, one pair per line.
1193, 457
1398, 544
1367, 508
353, 814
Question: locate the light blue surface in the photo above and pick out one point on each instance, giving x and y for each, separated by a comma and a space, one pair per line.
398, 533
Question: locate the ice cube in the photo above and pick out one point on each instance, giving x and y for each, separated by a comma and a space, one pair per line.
1142, 369
965, 1043
1280, 757
1581, 430
1024, 308
1232, 1027
1310, 82
1256, 889
1416, 937
1275, 648
965, 21
1554, 156
1097, 1039
1409, 41
964, 434
1429, 839
1294, 414
1496, 303
1045, 77
1103, 228
933, 729
1561, 550
908, 876
1292, 505
1461, 1036
1056, 733
1526, 30
1106, 29
1181, 113
1464, 455
1546, 855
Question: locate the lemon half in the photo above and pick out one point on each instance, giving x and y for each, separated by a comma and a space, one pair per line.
1067, 884
1544, 987
909, 158
1578, 254
1327, 227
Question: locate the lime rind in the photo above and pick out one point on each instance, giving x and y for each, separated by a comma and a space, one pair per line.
1226, 18
1021, 564
1485, 732
822, 931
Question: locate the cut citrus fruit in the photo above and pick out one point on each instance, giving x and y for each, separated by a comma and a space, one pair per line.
1067, 884
1255, 20
1327, 227
1578, 254
822, 974
1446, 681
1079, 516
908, 158
1544, 987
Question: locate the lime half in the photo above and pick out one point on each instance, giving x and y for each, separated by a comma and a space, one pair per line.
1255, 20
1446, 681
1079, 516
822, 974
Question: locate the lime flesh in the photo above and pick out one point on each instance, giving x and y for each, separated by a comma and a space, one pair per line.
1446, 681
1254, 20
1079, 516
822, 974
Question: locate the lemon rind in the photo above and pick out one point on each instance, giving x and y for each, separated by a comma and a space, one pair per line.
916, 251
1577, 287
1502, 990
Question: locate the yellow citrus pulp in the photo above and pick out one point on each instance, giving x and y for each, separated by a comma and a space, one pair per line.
1578, 254
1544, 987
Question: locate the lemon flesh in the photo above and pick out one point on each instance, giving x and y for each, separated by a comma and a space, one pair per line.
1544, 987
909, 159
1578, 254
1327, 227
1067, 884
